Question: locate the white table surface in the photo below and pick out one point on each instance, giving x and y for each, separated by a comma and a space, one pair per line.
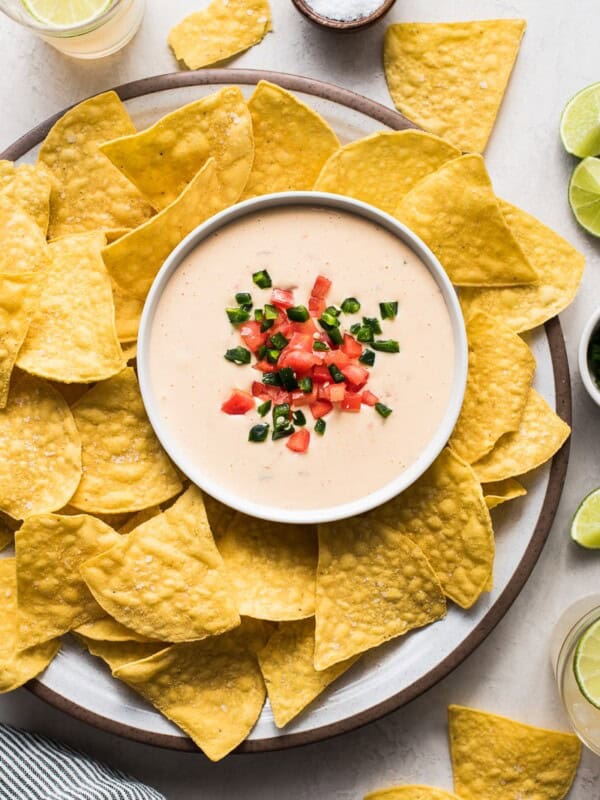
510, 673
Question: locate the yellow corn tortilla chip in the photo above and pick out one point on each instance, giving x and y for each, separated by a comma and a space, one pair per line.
411, 792
164, 158
287, 667
559, 268
52, 596
107, 629
221, 30
17, 666
19, 297
494, 758
72, 337
129, 351
124, 466
498, 492
128, 312
540, 435
24, 248
445, 514
501, 368
89, 193
291, 142
134, 259
272, 567
383, 167
456, 213
450, 77
219, 515
117, 654
373, 584
28, 186
132, 522
40, 449
166, 579
212, 689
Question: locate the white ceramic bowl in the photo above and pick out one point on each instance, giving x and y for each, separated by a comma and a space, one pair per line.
586, 376
194, 471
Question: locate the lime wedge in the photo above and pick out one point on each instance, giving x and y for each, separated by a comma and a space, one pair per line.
586, 664
64, 13
580, 123
584, 194
585, 528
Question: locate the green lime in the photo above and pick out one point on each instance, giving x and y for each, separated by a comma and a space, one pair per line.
586, 663
585, 528
65, 13
584, 194
580, 123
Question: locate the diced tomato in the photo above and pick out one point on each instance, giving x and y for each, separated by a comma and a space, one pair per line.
369, 399
282, 298
320, 408
336, 357
298, 360
321, 287
321, 375
351, 402
299, 441
301, 341
335, 393
351, 347
316, 306
253, 338
302, 399
260, 390
355, 375
238, 402
264, 366
305, 327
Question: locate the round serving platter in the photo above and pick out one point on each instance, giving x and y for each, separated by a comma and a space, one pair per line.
392, 675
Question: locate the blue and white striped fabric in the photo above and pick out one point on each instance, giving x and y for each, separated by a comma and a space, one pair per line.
33, 767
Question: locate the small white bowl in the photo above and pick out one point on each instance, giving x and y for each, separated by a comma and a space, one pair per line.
390, 489
584, 368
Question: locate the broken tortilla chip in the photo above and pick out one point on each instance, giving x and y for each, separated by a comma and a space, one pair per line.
28, 186
411, 792
19, 296
24, 248
456, 213
450, 78
498, 492
117, 654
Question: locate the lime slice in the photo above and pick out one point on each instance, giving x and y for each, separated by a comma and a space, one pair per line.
585, 528
586, 664
64, 13
584, 194
580, 123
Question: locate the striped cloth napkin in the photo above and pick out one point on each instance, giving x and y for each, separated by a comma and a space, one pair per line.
33, 767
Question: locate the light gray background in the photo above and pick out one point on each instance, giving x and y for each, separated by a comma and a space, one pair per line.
510, 673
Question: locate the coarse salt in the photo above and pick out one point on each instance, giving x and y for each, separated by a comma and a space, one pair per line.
344, 10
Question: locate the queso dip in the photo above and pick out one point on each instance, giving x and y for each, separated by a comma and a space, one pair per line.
364, 445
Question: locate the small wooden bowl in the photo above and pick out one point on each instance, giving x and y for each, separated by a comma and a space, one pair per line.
338, 25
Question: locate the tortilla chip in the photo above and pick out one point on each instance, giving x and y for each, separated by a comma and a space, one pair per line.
71, 392
411, 793
28, 186
52, 597
117, 654
373, 584
450, 77
17, 666
494, 758
501, 368
89, 193
24, 248
287, 666
221, 30
164, 158
124, 466
383, 167
19, 297
129, 351
134, 260
72, 337
559, 268
456, 213
219, 515
137, 519
213, 690
292, 142
107, 629
128, 312
499, 492
445, 514
40, 449
272, 567
540, 435
166, 580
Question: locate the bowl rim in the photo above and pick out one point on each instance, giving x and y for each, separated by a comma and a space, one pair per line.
326, 513
589, 328
343, 26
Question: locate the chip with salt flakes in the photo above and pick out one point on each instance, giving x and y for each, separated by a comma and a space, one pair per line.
445, 514
411, 792
134, 259
498, 492
164, 158
559, 267
496, 758
287, 665
540, 435
72, 337
124, 466
24, 247
107, 629
213, 689
450, 77
272, 567
89, 193
17, 666
456, 213
383, 167
28, 186
19, 296
117, 654
373, 584
221, 30
501, 368
166, 579
40, 449
291, 141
